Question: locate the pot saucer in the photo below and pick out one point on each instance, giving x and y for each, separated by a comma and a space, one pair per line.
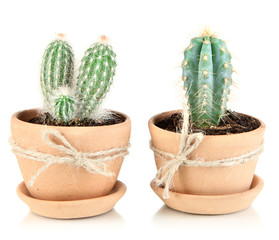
211, 204
75, 208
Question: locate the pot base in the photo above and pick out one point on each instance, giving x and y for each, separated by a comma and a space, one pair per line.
211, 204
75, 208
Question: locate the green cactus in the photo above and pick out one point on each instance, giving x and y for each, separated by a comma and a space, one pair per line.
207, 76
56, 68
64, 107
95, 77
65, 100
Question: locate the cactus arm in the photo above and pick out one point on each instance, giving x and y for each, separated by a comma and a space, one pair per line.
95, 77
56, 76
45, 69
57, 68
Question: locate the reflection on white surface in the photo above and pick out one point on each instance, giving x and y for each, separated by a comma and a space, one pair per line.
169, 218
97, 223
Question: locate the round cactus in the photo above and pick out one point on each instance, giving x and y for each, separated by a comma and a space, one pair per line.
64, 108
207, 76
64, 104
95, 77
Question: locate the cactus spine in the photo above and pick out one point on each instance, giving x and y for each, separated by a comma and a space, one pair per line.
206, 72
95, 77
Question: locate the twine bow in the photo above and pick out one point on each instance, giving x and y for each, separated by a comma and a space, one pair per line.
187, 146
92, 162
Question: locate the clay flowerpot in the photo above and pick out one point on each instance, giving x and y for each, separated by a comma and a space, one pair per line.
64, 182
213, 181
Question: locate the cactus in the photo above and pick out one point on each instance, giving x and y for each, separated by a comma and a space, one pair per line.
56, 68
65, 100
64, 105
206, 72
56, 72
95, 77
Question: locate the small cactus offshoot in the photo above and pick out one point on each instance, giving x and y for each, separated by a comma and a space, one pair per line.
207, 75
66, 99
64, 105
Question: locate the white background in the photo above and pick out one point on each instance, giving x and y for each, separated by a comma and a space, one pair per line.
149, 38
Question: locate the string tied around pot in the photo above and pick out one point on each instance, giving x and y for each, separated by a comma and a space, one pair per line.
94, 162
189, 142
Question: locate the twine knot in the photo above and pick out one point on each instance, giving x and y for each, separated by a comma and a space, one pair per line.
92, 162
187, 146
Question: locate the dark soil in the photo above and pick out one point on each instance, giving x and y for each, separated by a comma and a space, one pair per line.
232, 123
46, 119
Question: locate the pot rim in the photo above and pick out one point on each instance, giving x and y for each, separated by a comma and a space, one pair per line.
151, 124
17, 117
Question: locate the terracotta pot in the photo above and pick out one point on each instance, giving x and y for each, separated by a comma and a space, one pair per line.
64, 181
209, 180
